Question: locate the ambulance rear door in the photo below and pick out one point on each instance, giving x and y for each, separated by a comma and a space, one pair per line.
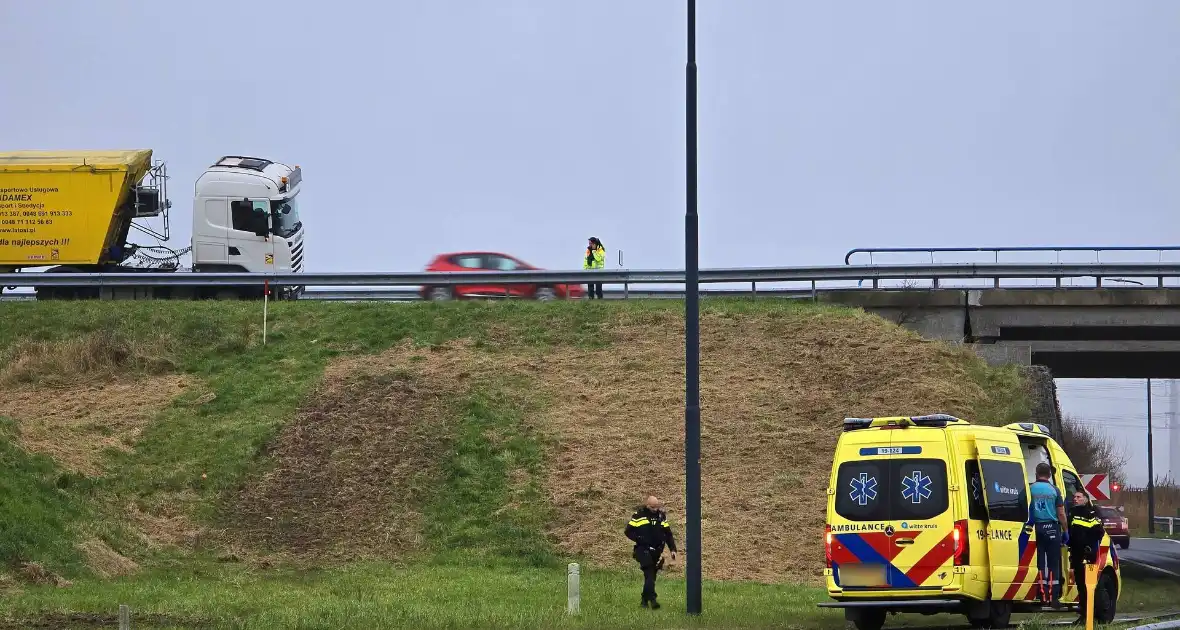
1011, 552
920, 514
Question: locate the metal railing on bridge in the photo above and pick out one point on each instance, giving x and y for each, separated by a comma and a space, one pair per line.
1154, 254
1047, 254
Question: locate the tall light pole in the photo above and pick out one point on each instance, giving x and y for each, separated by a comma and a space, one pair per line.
692, 339
1150, 468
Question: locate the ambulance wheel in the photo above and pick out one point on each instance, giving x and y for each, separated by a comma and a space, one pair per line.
1105, 598
999, 615
864, 618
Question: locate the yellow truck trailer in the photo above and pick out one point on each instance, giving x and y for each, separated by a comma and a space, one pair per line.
75, 211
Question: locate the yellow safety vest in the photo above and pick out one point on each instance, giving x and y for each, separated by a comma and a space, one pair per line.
595, 259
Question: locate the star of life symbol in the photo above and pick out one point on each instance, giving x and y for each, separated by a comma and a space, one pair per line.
864, 489
916, 487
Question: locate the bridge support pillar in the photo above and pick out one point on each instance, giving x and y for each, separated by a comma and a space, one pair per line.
996, 354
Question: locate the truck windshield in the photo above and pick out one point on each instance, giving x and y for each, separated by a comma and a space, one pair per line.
286, 225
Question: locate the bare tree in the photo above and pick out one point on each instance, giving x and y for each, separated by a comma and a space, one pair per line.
1090, 449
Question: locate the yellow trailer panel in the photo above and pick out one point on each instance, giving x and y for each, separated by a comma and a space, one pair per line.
66, 207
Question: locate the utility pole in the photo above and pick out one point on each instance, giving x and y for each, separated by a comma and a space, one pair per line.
692, 338
1150, 468
1173, 431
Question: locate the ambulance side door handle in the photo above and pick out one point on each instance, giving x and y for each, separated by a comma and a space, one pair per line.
903, 541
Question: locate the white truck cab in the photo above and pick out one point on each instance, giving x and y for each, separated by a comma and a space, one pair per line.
246, 218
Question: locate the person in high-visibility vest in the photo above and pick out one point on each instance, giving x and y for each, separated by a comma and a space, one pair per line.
1085, 536
595, 259
650, 531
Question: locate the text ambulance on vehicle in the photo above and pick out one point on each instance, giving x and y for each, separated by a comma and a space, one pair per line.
930, 514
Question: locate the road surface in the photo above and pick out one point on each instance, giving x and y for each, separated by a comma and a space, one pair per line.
1157, 555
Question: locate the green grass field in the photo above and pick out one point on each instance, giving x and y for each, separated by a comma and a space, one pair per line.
455, 596
163, 493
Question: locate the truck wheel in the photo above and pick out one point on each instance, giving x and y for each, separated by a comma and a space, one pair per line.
864, 618
1125, 544
545, 294
438, 294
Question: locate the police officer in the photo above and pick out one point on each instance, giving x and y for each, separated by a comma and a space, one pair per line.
649, 530
1048, 516
1085, 536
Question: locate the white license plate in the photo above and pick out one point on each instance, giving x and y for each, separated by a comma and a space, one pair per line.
863, 575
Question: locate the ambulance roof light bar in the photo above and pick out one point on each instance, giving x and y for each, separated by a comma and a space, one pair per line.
897, 422
935, 420
852, 424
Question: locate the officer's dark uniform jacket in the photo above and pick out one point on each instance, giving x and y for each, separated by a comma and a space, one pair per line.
650, 531
1085, 533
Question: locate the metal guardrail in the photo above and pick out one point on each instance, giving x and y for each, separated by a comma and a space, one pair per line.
1162, 625
412, 295
1169, 522
996, 251
935, 272
374, 286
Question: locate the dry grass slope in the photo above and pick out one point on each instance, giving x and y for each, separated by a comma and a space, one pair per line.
73, 399
774, 389
348, 469
99, 355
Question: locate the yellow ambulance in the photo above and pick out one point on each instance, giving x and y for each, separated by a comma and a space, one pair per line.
930, 514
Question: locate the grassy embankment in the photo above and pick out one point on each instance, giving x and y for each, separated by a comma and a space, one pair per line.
430, 465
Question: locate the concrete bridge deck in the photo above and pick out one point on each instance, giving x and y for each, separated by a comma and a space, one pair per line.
1076, 333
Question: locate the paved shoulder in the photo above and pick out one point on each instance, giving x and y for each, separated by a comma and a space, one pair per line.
1155, 553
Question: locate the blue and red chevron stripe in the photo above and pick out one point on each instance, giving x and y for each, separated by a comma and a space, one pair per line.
1027, 550
1102, 555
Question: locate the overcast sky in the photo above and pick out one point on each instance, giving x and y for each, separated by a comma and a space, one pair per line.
527, 125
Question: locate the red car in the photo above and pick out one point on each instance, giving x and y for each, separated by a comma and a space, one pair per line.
492, 261
1115, 524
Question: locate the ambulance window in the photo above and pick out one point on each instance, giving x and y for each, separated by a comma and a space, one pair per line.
1034, 453
861, 487
1072, 485
1007, 496
919, 489
976, 510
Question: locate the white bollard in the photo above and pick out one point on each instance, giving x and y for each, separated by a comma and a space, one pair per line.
265, 301
573, 589
124, 617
